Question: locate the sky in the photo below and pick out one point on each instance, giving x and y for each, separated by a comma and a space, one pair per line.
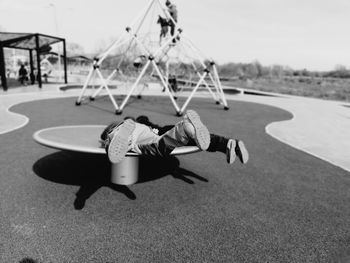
311, 34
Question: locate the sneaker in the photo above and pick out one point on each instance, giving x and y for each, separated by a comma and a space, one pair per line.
118, 141
241, 151
230, 151
200, 134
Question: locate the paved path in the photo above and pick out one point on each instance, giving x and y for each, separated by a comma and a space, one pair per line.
319, 127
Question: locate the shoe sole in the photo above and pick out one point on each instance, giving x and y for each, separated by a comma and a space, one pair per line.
202, 136
241, 152
118, 146
230, 152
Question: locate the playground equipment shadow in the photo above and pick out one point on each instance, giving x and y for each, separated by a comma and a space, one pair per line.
92, 171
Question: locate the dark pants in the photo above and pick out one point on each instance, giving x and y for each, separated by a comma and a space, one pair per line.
217, 143
172, 28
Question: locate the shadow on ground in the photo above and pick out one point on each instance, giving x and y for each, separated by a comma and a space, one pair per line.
27, 260
92, 171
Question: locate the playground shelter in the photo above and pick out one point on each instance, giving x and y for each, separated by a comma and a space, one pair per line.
40, 43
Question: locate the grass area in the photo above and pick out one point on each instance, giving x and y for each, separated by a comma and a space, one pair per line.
323, 88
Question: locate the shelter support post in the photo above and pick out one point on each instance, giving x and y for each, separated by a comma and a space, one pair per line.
3, 69
37, 48
31, 63
65, 62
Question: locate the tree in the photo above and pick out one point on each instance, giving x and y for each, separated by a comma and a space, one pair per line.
340, 68
259, 68
252, 70
340, 71
74, 49
277, 71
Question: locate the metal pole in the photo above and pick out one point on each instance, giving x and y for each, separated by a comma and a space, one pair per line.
134, 37
167, 43
201, 60
78, 101
216, 80
167, 89
65, 61
167, 77
31, 66
197, 49
167, 14
194, 91
220, 87
134, 86
3, 69
144, 16
142, 13
146, 50
196, 70
118, 42
114, 45
108, 91
38, 59
205, 83
101, 87
93, 68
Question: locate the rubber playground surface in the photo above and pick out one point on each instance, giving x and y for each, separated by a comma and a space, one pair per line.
285, 205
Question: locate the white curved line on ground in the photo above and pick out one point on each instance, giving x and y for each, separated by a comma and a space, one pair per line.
269, 132
22, 124
11, 121
318, 127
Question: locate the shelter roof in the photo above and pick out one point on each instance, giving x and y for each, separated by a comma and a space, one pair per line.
26, 40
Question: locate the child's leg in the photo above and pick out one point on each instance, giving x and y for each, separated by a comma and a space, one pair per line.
217, 143
118, 141
161, 129
189, 131
241, 151
230, 147
126, 137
